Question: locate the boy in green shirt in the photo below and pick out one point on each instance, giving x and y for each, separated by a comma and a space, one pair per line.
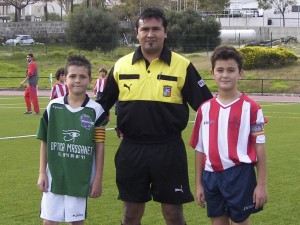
72, 138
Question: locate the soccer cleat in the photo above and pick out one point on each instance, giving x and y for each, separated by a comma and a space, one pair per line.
28, 112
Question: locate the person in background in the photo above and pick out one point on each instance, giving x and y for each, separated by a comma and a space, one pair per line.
72, 135
30, 93
60, 88
100, 83
229, 140
153, 87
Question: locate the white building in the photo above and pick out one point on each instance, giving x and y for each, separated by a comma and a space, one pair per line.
246, 5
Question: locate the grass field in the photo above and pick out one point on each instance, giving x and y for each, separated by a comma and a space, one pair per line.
19, 161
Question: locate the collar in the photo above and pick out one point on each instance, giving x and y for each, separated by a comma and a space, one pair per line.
165, 55
87, 98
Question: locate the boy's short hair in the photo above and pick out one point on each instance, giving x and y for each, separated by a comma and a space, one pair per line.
78, 60
225, 53
30, 55
59, 72
152, 12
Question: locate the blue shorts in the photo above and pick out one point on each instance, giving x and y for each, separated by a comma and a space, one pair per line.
153, 171
230, 192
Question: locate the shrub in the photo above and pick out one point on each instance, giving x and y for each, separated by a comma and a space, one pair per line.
51, 17
91, 28
264, 58
191, 32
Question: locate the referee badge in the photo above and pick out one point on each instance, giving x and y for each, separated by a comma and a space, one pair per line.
167, 91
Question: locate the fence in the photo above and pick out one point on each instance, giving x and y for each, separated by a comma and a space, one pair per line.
258, 86
264, 86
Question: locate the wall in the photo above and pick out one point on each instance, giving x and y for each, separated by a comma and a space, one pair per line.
56, 29
41, 29
263, 30
268, 33
35, 29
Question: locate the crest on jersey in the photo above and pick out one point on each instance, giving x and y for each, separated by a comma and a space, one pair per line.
234, 123
167, 91
86, 121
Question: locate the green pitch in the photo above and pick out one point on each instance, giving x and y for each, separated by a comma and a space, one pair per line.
19, 164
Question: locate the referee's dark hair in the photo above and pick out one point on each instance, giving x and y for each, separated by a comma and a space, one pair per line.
152, 12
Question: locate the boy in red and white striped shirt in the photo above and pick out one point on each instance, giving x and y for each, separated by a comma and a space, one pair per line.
60, 88
229, 140
100, 83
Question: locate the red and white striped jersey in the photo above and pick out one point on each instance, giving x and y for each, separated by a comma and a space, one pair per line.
59, 90
226, 133
99, 85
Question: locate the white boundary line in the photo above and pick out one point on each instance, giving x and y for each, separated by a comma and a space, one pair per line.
16, 137
32, 135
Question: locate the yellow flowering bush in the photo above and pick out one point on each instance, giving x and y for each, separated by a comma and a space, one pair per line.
264, 57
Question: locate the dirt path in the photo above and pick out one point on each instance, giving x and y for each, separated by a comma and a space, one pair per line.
256, 97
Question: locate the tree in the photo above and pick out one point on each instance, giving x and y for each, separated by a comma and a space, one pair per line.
135, 7
51, 17
280, 5
19, 5
67, 5
191, 32
99, 3
46, 13
92, 28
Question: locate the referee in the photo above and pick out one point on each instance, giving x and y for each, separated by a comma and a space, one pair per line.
153, 87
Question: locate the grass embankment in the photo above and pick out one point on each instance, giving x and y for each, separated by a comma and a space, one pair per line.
50, 58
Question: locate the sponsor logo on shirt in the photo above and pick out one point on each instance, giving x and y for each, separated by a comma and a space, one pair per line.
208, 122
70, 135
57, 107
127, 86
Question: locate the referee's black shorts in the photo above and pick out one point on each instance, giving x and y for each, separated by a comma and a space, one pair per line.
153, 171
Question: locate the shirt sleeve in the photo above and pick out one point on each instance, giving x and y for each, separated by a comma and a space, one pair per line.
196, 137
258, 121
43, 128
53, 92
195, 91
